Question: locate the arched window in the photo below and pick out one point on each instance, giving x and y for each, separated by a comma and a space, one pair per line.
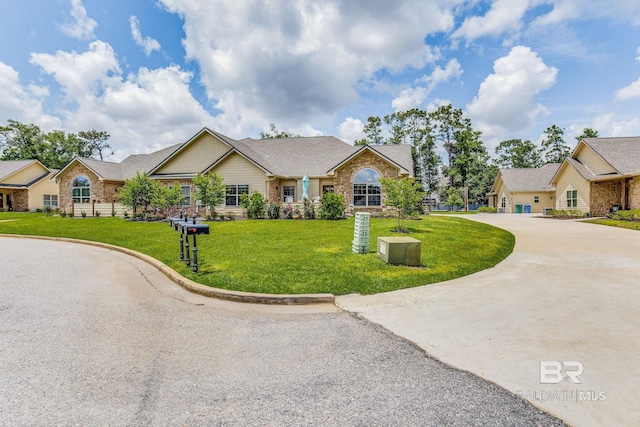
81, 190
367, 190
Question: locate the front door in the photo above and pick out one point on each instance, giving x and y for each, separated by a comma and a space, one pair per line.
9, 203
1, 201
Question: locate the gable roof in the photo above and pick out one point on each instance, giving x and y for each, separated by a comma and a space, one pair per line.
145, 162
397, 154
527, 179
12, 167
623, 154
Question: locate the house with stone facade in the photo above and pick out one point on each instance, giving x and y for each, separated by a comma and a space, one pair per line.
600, 175
273, 167
26, 185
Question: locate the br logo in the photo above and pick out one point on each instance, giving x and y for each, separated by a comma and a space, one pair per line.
554, 372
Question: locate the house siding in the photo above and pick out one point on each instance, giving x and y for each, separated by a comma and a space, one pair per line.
235, 169
197, 156
38, 190
594, 162
546, 200
570, 179
26, 175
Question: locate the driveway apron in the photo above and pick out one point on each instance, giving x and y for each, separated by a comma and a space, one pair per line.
566, 301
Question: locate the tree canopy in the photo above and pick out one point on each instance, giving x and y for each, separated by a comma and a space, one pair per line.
19, 141
275, 133
554, 148
516, 153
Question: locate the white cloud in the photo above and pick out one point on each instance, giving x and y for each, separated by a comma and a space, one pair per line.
350, 130
81, 27
147, 44
414, 97
504, 16
505, 103
23, 105
145, 110
628, 92
298, 61
80, 73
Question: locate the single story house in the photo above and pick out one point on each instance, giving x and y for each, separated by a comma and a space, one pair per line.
524, 187
26, 185
601, 174
273, 167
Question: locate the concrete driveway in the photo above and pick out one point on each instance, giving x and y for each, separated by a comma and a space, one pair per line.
90, 336
570, 292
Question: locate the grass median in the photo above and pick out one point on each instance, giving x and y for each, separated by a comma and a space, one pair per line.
292, 256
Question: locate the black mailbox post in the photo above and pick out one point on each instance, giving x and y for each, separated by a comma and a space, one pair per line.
193, 230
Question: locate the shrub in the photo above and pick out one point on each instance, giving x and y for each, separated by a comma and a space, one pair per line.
571, 213
48, 210
331, 206
287, 211
97, 214
63, 213
273, 210
83, 213
125, 214
630, 215
254, 204
488, 209
309, 210
231, 216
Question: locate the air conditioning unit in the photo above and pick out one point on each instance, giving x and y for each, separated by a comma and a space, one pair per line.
546, 211
500, 210
400, 250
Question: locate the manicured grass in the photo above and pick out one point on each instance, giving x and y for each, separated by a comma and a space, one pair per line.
631, 225
294, 256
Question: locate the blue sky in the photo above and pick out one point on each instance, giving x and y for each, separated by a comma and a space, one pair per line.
154, 72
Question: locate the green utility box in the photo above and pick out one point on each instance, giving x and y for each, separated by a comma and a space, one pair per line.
400, 250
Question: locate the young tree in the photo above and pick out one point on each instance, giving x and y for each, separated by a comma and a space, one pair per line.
404, 195
554, 147
372, 132
587, 133
516, 153
168, 197
139, 191
331, 206
453, 197
469, 163
210, 190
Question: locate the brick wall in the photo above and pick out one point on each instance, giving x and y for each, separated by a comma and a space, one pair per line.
604, 194
343, 177
101, 192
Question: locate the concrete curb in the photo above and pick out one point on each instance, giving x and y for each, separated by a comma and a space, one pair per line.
197, 288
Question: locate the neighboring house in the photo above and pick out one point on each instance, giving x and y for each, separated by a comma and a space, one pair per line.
26, 185
524, 187
601, 174
273, 167
87, 181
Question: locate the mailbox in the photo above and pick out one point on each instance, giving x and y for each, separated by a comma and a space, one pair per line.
191, 229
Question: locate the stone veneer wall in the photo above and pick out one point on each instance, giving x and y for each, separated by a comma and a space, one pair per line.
634, 193
19, 200
604, 194
343, 177
101, 192
274, 190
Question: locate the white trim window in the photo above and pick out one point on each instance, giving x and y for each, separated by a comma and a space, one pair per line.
572, 198
50, 201
367, 190
81, 190
503, 202
235, 193
289, 193
186, 195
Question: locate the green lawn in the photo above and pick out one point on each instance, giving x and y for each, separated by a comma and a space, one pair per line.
631, 225
293, 256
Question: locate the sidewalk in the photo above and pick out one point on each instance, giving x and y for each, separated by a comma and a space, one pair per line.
570, 292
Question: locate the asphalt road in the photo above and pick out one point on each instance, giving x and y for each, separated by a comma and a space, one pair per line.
90, 336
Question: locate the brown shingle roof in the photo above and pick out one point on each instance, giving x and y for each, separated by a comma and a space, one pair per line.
621, 153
